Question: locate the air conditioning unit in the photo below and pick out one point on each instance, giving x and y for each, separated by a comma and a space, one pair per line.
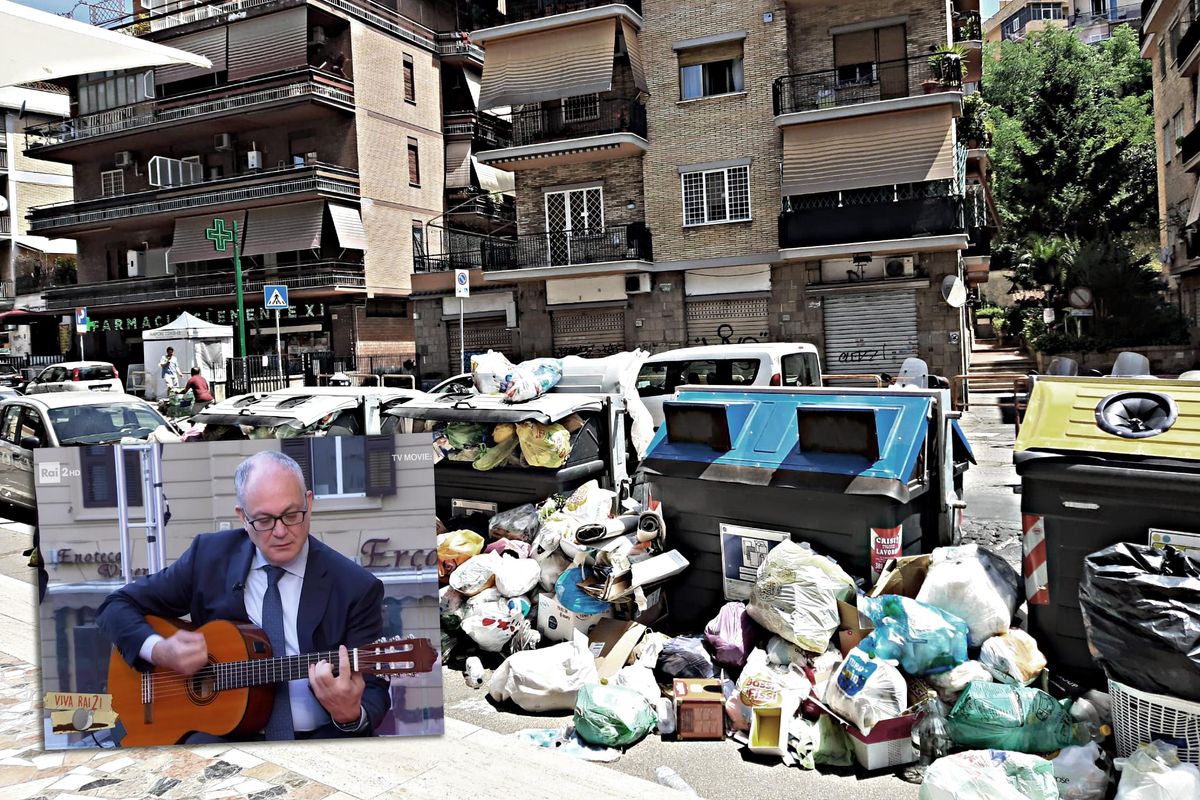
123, 159
638, 283
311, 157
222, 142
135, 262
254, 159
899, 267
316, 35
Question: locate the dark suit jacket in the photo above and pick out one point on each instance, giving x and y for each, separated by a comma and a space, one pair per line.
341, 603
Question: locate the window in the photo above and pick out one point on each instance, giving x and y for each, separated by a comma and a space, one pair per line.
652, 380
711, 78
112, 182
410, 85
11, 425
102, 91
800, 369
418, 241
582, 108
576, 210
99, 480
32, 425
858, 54
1162, 60
719, 195
1177, 124
1168, 150
414, 164
339, 466
697, 373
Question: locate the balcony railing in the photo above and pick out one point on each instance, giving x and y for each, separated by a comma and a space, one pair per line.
482, 205
458, 44
522, 10
488, 131
1128, 13
905, 211
462, 250
265, 184
5, 224
219, 283
179, 108
548, 124
1185, 33
883, 80
1190, 146
968, 27
3, 158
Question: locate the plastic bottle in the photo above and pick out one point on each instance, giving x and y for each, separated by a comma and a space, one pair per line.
930, 737
665, 709
670, 778
473, 672
1086, 714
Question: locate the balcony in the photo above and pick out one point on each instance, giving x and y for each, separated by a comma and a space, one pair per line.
524, 10
482, 206
487, 131
968, 27
935, 76
1131, 14
1190, 153
3, 158
883, 214
458, 46
319, 180
615, 249
307, 278
545, 136
5, 224
1185, 35
252, 96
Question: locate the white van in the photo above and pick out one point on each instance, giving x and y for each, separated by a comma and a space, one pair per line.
730, 365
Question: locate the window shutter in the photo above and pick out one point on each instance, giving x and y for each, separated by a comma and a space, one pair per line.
300, 450
381, 470
100, 477
410, 89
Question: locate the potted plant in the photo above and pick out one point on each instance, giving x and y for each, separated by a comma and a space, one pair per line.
945, 69
974, 127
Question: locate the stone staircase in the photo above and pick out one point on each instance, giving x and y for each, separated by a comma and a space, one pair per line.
992, 368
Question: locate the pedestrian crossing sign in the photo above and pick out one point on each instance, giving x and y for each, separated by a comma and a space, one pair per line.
275, 296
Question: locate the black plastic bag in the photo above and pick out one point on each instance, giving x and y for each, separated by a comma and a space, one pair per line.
1141, 609
685, 657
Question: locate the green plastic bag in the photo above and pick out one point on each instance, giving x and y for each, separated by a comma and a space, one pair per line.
462, 435
495, 456
821, 742
613, 716
1001, 717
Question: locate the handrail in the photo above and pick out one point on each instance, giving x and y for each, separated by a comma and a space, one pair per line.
881, 80
542, 124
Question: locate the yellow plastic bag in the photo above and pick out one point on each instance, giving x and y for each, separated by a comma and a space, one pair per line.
544, 445
496, 456
503, 432
454, 548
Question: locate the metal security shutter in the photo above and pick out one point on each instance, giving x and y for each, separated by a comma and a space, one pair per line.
268, 44
481, 335
598, 332
870, 332
727, 321
210, 44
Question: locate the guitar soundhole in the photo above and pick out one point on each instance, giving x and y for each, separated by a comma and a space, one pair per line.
202, 686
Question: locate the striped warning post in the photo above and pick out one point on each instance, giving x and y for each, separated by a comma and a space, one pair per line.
1037, 579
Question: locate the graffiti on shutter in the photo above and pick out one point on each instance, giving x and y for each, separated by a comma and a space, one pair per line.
588, 333
870, 332
727, 321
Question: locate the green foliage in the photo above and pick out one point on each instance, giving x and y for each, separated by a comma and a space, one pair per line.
989, 312
974, 123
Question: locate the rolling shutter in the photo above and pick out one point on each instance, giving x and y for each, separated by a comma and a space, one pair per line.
269, 43
381, 467
458, 165
727, 321
100, 477
210, 44
481, 335
282, 229
870, 332
596, 332
548, 66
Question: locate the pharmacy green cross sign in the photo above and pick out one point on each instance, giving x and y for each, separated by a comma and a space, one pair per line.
219, 235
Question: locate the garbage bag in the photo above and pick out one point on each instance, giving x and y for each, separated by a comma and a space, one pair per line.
1014, 718
567, 590
497, 456
1013, 657
503, 432
975, 585
516, 576
567, 741
517, 523
730, 634
546, 446
534, 378
454, 548
475, 574
820, 742
613, 716
463, 435
950, 685
1078, 775
925, 640
545, 680
989, 775
795, 595
866, 691
451, 608
781, 651
491, 624
553, 565
1154, 772
1141, 611
640, 679
511, 548
490, 371
685, 657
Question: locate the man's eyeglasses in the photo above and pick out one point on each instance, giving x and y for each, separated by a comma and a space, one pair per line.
267, 523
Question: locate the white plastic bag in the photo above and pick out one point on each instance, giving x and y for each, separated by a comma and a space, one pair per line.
492, 623
950, 685
795, 595
1078, 775
1013, 657
545, 680
532, 379
491, 371
641, 680
975, 585
475, 574
866, 691
516, 576
989, 775
1154, 772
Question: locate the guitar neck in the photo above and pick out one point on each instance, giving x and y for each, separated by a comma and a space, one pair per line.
240, 674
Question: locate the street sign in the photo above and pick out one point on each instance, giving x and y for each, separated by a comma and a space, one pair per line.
81, 319
1080, 297
1082, 312
1048, 316
462, 283
275, 296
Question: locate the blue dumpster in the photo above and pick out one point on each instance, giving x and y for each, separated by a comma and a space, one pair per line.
860, 474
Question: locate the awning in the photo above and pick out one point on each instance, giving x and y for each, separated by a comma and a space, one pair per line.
1194, 213
282, 229
348, 224
37, 46
212, 44
190, 242
878, 150
493, 180
633, 48
57, 247
270, 43
473, 81
458, 165
549, 65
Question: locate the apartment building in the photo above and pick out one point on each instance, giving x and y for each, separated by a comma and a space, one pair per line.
316, 136
1091, 20
724, 172
1170, 39
29, 261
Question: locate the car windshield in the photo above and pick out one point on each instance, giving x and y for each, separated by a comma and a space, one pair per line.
98, 424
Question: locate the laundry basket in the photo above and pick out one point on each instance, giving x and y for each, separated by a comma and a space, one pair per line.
1140, 717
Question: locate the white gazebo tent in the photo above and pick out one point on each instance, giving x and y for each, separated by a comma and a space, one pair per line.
197, 344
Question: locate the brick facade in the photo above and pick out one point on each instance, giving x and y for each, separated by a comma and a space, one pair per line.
810, 45
620, 180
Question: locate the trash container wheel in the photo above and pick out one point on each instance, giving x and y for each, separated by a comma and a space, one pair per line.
1136, 415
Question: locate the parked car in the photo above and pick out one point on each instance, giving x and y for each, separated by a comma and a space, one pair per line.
11, 377
771, 364
60, 419
77, 376
304, 410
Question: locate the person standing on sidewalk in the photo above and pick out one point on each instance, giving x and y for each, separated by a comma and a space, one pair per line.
169, 366
200, 391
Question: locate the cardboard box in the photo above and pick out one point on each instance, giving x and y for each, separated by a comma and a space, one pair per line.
902, 576
853, 627
699, 709
612, 642
890, 742
640, 575
654, 612
557, 622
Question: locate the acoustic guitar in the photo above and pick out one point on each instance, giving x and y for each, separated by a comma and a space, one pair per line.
232, 696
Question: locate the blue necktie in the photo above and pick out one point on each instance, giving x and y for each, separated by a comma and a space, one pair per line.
279, 725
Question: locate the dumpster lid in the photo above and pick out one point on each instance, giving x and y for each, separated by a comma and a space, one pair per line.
962, 448
1107, 417
546, 409
301, 406
766, 449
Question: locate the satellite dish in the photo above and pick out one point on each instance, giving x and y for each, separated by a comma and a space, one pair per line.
954, 291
